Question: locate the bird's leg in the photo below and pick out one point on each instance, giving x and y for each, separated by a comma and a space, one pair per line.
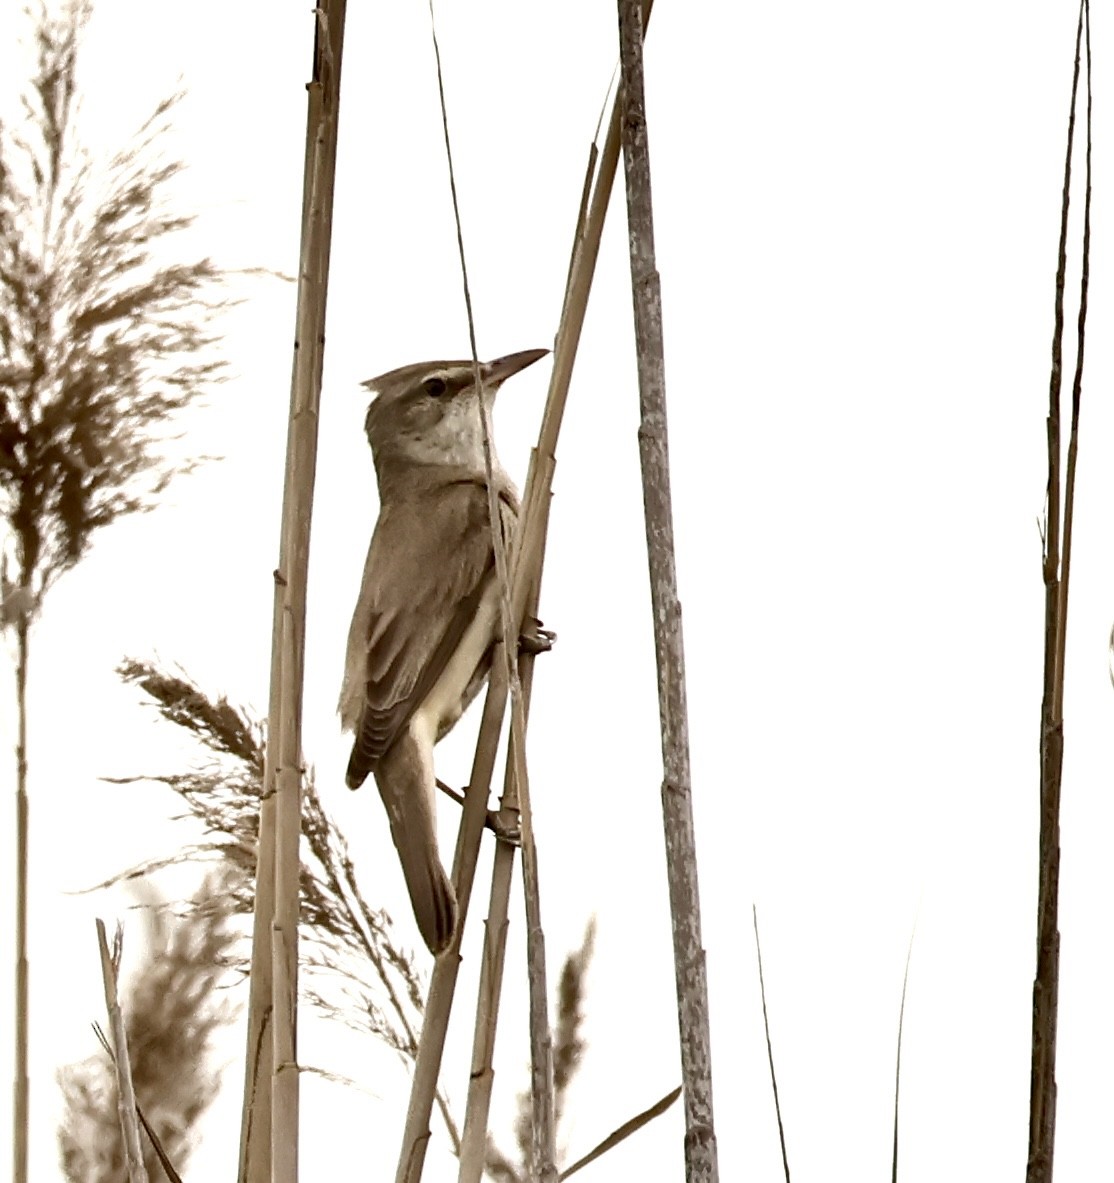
450, 792
503, 823
534, 639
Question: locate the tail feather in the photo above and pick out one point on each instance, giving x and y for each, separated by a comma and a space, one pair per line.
431, 893
356, 772
402, 779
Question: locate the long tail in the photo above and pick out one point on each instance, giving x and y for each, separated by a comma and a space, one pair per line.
402, 777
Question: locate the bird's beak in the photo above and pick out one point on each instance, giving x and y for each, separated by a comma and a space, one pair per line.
502, 368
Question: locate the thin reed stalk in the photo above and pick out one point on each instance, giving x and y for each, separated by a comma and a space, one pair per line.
544, 1134
543, 1126
481, 1078
269, 1130
526, 566
129, 1117
442, 985
599, 178
20, 1087
770, 1046
701, 1160
1056, 573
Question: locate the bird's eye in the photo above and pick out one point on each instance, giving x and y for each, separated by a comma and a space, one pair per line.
435, 387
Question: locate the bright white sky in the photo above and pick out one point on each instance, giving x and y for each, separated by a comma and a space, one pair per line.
857, 209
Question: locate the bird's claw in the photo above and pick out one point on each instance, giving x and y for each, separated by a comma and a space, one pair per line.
504, 824
534, 639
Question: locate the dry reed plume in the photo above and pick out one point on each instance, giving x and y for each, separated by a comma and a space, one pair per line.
101, 346
355, 970
568, 1054
172, 1010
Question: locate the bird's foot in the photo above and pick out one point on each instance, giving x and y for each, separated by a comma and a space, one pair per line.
504, 824
534, 639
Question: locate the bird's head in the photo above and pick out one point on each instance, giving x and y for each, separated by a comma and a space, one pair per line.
429, 413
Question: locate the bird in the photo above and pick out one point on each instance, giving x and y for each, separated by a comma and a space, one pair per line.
428, 612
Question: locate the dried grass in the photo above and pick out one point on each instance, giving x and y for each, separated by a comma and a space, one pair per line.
568, 1055
102, 344
173, 1008
355, 972
342, 930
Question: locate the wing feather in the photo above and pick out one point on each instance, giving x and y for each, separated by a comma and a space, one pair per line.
428, 565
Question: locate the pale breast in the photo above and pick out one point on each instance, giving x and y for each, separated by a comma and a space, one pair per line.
458, 684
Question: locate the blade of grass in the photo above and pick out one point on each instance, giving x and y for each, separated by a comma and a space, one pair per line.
623, 1132
897, 1067
769, 1045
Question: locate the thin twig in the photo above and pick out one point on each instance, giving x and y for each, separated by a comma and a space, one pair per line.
129, 1119
701, 1160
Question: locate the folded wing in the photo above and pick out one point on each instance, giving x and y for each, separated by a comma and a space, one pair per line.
427, 568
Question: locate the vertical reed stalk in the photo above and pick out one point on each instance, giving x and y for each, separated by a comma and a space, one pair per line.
544, 1138
680, 839
442, 986
21, 1091
543, 1125
269, 1133
481, 1078
1056, 573
527, 559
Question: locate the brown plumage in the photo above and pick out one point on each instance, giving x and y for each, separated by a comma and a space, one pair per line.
419, 648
